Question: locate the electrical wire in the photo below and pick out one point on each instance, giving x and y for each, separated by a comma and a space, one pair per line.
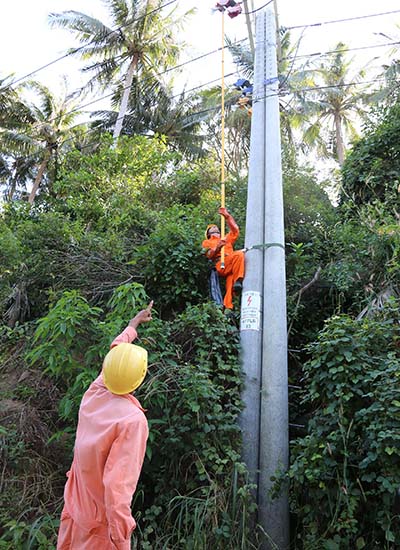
201, 85
342, 50
313, 88
258, 9
75, 50
91, 131
255, 100
204, 111
218, 108
149, 78
188, 62
344, 20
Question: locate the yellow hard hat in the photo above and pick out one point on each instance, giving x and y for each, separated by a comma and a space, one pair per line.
124, 368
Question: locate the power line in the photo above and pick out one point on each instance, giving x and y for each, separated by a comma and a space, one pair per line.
342, 50
218, 107
330, 86
90, 130
342, 20
149, 78
258, 9
201, 85
192, 60
279, 94
255, 100
76, 50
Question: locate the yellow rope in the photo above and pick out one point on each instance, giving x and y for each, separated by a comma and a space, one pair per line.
223, 143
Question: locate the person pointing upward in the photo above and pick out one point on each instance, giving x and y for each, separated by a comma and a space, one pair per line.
109, 450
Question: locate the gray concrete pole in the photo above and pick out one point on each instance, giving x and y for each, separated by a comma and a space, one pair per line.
274, 445
251, 316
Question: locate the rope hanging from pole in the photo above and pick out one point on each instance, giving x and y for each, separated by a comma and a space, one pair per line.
233, 9
223, 138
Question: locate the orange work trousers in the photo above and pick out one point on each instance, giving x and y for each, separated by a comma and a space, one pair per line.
234, 270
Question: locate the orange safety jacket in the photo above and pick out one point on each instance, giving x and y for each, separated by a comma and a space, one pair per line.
109, 451
234, 259
210, 245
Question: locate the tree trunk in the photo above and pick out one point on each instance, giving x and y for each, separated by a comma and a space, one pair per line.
125, 97
12, 189
339, 138
39, 176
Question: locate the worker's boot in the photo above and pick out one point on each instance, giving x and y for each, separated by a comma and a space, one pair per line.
237, 287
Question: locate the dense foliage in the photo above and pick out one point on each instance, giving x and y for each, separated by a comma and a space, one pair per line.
372, 170
345, 471
112, 225
74, 264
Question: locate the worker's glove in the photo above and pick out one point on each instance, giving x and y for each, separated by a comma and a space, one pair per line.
224, 212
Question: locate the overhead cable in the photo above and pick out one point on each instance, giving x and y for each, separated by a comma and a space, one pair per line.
342, 20
218, 107
192, 60
258, 9
75, 50
341, 50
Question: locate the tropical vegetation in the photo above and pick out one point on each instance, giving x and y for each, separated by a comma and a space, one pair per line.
96, 219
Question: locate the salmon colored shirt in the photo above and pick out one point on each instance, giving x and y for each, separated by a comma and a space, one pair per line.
109, 451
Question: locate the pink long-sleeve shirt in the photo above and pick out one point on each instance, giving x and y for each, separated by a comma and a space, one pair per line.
109, 451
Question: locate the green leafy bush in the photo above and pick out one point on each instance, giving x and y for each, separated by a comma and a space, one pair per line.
62, 338
344, 474
174, 270
372, 169
194, 476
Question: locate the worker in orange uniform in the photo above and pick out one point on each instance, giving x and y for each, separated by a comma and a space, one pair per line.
234, 259
109, 451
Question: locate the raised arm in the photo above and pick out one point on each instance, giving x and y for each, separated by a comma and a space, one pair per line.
130, 332
233, 226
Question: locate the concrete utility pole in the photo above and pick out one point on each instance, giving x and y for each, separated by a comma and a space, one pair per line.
251, 327
263, 327
274, 437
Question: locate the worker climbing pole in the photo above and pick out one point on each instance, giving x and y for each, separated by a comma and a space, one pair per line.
233, 9
245, 101
218, 246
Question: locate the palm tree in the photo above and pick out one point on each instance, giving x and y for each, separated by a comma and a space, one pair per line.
334, 107
47, 123
155, 110
16, 171
142, 44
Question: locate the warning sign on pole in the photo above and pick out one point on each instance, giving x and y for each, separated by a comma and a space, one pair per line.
250, 318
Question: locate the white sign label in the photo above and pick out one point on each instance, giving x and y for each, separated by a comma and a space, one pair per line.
250, 318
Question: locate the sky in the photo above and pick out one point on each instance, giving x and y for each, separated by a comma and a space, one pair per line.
27, 42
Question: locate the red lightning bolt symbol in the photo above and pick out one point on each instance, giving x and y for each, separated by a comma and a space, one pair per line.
249, 300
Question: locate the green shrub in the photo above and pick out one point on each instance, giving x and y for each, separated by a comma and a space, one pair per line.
195, 489
345, 472
372, 169
174, 270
